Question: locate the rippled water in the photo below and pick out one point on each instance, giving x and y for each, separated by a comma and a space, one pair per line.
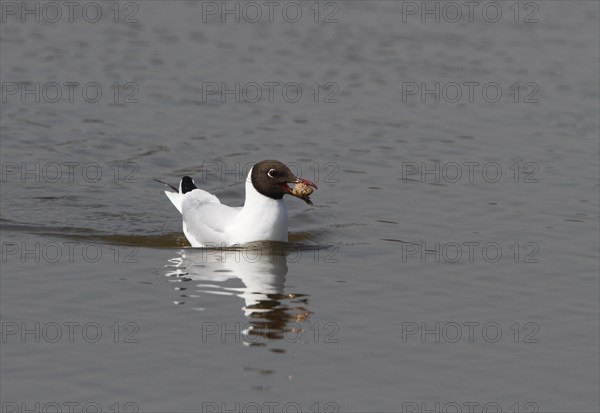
451, 256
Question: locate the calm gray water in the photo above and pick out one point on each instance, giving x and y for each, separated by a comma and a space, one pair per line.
450, 262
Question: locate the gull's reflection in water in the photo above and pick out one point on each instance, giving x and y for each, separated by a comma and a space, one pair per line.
261, 267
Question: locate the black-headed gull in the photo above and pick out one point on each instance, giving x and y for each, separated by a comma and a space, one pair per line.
209, 223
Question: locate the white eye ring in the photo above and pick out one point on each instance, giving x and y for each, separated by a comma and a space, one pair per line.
272, 173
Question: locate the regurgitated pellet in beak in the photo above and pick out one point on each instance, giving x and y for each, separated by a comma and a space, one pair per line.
303, 189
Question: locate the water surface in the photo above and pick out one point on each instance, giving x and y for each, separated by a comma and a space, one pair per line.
451, 255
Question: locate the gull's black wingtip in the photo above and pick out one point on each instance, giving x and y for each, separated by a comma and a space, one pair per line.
187, 184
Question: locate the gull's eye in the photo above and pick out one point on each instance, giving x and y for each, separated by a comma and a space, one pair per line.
272, 173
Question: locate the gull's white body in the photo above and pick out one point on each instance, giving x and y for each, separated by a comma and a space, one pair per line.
209, 223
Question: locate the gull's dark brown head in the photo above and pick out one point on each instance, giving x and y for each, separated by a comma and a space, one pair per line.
271, 179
